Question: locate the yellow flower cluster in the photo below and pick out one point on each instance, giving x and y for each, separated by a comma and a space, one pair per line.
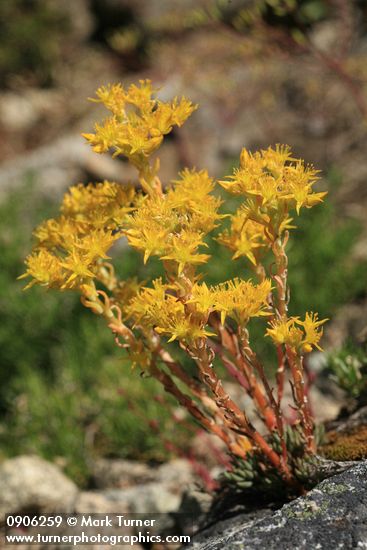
273, 183
185, 318
244, 237
158, 308
69, 248
238, 299
138, 122
173, 222
301, 336
173, 225
274, 177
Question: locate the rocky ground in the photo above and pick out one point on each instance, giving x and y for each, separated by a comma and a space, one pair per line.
31, 485
332, 515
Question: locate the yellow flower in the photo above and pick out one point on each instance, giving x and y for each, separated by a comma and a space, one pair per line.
78, 264
173, 225
96, 244
166, 314
244, 237
183, 250
146, 298
138, 122
302, 336
45, 269
82, 235
312, 334
274, 179
285, 332
151, 225
190, 195
56, 232
242, 299
115, 98
151, 239
203, 297
166, 115
103, 204
182, 327
104, 135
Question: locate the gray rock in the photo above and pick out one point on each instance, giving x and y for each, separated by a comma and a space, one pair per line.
93, 502
325, 36
29, 482
130, 486
176, 473
194, 507
331, 516
60, 164
196, 501
120, 473
152, 498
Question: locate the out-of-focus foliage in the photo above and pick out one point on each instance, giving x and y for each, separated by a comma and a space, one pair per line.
320, 268
297, 16
348, 367
94, 406
30, 39
287, 13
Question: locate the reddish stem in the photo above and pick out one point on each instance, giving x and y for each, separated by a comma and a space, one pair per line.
296, 367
